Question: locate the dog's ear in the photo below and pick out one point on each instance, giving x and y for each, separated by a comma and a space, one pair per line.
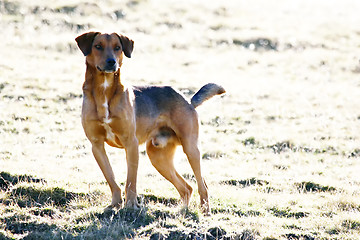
127, 45
85, 41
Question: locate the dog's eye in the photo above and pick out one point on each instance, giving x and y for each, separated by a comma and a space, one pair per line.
117, 48
98, 47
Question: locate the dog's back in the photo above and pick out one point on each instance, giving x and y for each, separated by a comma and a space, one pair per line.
153, 100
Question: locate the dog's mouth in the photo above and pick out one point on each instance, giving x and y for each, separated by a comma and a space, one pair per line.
111, 69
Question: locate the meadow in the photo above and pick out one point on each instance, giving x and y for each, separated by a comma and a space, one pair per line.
280, 151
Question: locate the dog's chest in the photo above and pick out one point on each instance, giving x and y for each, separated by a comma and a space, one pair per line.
105, 104
106, 121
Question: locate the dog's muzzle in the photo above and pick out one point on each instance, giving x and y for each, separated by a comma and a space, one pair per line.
110, 66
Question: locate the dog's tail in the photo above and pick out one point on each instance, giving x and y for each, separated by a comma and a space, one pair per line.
206, 92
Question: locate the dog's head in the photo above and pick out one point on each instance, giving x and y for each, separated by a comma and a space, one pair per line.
105, 51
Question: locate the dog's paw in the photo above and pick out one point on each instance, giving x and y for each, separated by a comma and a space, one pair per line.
205, 209
133, 203
206, 213
113, 207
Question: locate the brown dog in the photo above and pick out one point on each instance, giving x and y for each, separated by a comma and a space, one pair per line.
126, 117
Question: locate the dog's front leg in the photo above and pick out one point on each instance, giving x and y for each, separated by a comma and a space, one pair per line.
132, 159
104, 164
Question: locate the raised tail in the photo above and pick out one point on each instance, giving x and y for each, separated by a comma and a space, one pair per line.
206, 92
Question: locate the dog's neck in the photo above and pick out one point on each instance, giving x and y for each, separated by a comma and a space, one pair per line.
96, 80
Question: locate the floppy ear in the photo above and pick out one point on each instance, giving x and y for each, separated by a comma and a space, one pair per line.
127, 45
85, 42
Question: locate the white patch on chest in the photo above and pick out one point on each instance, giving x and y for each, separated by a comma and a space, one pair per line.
106, 107
105, 85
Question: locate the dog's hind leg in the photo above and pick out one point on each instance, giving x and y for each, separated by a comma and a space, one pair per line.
162, 160
188, 133
193, 154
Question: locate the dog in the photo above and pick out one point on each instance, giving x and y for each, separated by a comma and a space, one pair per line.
125, 117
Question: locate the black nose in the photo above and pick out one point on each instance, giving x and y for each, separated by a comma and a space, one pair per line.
110, 62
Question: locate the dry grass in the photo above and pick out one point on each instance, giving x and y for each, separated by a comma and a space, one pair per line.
280, 150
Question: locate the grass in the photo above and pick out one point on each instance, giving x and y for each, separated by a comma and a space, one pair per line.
38, 212
279, 152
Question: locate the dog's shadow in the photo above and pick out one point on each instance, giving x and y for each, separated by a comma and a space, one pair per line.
39, 211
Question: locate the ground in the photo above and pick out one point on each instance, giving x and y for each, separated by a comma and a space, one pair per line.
280, 151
